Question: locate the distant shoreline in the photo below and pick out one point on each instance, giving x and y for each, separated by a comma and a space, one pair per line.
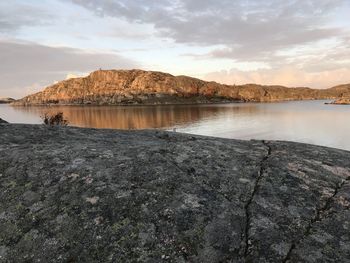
163, 104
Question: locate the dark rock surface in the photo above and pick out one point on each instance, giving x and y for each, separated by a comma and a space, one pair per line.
85, 195
2, 121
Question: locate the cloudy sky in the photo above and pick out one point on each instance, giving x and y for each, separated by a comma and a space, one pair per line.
290, 42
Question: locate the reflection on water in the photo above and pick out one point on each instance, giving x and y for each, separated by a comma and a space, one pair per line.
129, 117
306, 121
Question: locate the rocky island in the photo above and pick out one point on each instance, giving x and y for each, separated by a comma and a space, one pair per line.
84, 195
113, 87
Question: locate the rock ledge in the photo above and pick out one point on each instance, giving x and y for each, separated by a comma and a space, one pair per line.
85, 195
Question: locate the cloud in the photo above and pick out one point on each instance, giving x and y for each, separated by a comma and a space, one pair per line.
15, 15
299, 39
26, 65
73, 76
287, 76
246, 30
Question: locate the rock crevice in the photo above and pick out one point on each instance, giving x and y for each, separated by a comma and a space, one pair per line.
320, 214
261, 172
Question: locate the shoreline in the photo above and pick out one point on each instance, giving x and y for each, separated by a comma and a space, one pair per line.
165, 104
165, 130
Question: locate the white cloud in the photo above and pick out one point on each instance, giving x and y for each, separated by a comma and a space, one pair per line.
74, 75
294, 43
251, 30
287, 76
17, 14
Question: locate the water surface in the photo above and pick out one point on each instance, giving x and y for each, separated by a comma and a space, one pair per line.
302, 121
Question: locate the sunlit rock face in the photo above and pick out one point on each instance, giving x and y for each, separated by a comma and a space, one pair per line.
342, 101
86, 195
148, 87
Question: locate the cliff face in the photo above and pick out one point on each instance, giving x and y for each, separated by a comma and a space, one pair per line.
86, 195
147, 87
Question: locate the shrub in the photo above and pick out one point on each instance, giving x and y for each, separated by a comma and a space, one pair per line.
55, 119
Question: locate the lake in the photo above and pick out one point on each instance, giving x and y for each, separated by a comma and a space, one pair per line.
301, 121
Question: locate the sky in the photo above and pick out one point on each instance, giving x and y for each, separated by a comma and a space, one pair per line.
292, 42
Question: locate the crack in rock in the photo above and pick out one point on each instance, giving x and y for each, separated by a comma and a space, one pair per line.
261, 172
316, 218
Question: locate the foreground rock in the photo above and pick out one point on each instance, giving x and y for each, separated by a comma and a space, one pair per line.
149, 87
85, 195
2, 121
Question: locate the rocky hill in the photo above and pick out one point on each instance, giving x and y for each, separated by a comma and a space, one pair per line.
148, 87
86, 195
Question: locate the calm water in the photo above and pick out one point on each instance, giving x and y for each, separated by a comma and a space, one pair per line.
306, 121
